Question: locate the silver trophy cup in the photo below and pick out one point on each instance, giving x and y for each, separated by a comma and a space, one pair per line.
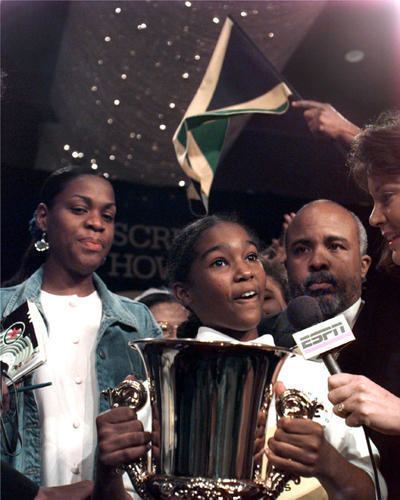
210, 403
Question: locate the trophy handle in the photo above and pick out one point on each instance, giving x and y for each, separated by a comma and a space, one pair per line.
295, 404
132, 393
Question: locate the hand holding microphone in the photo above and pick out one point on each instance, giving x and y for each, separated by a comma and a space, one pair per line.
319, 339
362, 402
355, 398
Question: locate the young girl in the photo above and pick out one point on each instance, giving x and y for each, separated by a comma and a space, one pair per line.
216, 273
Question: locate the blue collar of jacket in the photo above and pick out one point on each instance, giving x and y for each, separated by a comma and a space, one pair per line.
113, 310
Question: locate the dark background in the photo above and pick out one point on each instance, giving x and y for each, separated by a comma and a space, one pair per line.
108, 82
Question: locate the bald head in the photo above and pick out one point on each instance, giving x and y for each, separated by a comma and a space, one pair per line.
337, 208
325, 247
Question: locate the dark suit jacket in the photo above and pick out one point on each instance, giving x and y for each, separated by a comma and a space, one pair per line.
376, 354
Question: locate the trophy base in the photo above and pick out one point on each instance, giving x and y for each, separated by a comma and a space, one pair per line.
165, 487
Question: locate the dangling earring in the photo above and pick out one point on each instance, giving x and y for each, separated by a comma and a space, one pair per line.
42, 245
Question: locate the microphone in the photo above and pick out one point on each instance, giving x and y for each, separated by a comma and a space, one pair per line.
4, 368
316, 337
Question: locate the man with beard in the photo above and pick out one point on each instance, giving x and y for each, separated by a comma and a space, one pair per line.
326, 248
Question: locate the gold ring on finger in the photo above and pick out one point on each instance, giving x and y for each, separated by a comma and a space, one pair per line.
340, 408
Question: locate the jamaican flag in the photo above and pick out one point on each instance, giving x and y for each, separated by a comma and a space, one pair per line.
239, 80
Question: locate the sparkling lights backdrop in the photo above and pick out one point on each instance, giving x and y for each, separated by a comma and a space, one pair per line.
107, 83
121, 74
127, 71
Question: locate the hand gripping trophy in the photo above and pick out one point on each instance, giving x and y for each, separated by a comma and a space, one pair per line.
209, 403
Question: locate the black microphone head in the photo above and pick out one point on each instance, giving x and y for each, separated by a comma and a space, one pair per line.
4, 367
304, 312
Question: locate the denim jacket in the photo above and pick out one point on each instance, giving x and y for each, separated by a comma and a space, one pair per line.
122, 320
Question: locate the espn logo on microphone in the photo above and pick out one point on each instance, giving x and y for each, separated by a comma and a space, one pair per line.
323, 337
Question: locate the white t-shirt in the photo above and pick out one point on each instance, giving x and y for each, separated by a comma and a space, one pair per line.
68, 408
